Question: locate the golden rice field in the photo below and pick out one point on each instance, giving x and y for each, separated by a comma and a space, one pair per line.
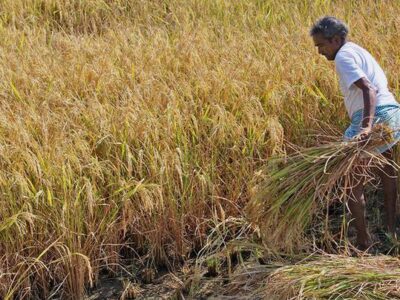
130, 128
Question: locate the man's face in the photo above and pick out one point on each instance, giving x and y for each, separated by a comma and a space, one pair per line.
327, 47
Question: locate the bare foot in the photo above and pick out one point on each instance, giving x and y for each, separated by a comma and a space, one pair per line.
364, 244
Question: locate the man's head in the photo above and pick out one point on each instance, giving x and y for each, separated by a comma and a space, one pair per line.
329, 34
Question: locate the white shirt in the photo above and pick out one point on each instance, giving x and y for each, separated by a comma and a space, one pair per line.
352, 63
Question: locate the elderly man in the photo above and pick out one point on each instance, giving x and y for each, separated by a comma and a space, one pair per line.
367, 100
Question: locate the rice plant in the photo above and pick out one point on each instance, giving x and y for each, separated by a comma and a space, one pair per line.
130, 128
337, 277
297, 189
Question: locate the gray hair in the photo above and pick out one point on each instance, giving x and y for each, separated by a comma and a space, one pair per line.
329, 27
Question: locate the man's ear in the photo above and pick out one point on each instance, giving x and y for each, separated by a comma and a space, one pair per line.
337, 40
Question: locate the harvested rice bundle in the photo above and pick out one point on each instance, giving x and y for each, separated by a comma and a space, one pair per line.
337, 277
292, 191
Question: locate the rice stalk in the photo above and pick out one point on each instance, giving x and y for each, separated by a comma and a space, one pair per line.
99, 95
336, 277
294, 190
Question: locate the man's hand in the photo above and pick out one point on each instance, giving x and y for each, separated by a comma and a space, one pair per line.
364, 135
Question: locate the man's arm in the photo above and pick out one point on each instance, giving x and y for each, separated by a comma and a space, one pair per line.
369, 96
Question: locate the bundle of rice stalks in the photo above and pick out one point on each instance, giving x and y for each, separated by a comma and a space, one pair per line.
295, 190
337, 277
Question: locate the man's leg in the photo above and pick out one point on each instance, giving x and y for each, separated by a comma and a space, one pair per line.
356, 203
389, 181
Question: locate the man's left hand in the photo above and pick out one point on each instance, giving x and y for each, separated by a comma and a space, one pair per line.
364, 135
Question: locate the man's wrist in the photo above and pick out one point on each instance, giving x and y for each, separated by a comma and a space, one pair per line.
366, 127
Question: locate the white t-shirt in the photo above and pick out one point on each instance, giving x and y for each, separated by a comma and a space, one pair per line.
353, 62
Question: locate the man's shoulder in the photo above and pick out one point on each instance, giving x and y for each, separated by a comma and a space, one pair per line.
344, 55
349, 48
348, 51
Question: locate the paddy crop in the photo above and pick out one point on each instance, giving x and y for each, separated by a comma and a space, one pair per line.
129, 128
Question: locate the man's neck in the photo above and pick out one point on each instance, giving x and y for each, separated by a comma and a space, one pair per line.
344, 42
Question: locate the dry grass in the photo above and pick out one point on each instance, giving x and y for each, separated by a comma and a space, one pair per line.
319, 276
336, 277
137, 124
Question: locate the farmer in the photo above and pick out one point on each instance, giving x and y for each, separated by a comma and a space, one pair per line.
368, 101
